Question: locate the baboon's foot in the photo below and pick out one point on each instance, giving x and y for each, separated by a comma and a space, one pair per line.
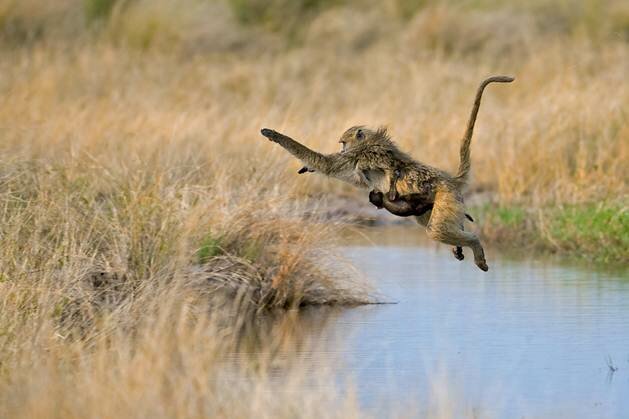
376, 198
458, 253
479, 257
482, 264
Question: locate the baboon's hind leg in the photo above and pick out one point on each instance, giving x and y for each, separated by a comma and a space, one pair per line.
456, 237
445, 226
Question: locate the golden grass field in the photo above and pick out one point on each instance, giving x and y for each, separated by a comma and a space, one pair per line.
136, 191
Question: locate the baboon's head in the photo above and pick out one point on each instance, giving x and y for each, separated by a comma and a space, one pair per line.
354, 136
359, 134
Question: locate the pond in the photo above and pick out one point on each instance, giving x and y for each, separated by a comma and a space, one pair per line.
529, 338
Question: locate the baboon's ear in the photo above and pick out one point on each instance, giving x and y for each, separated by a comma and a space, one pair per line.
360, 134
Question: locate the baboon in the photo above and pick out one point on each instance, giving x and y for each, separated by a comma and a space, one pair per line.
369, 159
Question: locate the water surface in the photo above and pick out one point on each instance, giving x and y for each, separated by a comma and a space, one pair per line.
527, 339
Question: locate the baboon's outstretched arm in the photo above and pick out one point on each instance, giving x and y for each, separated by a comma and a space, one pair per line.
339, 166
310, 158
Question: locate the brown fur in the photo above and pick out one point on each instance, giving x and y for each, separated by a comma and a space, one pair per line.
369, 159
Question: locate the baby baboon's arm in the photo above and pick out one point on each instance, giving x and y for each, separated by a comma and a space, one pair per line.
339, 165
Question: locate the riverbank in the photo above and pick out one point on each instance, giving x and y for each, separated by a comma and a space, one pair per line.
594, 232
597, 232
129, 278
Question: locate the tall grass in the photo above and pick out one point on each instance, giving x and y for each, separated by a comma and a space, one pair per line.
114, 306
144, 221
162, 354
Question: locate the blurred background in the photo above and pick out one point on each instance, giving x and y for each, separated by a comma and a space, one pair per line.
550, 151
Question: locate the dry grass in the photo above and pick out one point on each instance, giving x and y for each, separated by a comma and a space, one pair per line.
556, 135
162, 355
128, 284
136, 193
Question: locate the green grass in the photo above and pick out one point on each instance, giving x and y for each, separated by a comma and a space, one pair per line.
601, 231
210, 247
252, 250
594, 232
511, 216
214, 245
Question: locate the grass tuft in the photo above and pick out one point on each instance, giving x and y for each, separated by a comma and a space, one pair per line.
210, 247
597, 231
594, 232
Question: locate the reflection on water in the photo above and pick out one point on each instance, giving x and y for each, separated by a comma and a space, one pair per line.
526, 339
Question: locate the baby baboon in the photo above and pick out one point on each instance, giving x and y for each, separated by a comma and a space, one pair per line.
369, 159
404, 206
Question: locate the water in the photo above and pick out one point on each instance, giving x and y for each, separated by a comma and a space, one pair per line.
527, 339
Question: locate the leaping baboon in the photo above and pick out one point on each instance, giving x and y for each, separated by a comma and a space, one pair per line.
369, 159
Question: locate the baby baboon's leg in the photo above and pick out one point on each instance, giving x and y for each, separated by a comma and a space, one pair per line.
445, 225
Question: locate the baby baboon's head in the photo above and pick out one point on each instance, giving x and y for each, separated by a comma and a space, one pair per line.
353, 136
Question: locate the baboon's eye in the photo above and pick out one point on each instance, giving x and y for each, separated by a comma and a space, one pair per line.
359, 134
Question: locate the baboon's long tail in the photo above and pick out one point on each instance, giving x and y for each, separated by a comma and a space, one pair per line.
464, 165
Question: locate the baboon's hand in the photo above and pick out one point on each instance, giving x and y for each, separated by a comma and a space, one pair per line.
270, 134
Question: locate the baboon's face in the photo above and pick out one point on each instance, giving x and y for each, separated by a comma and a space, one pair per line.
354, 136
